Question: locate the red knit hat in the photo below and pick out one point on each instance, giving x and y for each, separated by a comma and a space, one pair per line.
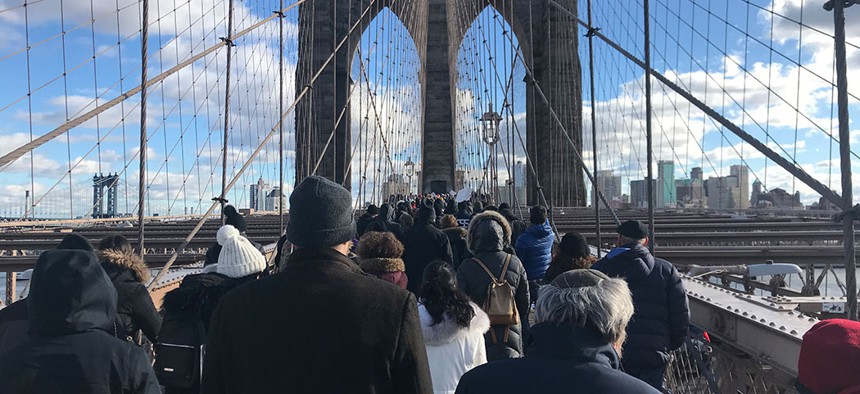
830, 357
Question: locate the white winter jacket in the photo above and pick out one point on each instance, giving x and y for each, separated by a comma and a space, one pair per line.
453, 350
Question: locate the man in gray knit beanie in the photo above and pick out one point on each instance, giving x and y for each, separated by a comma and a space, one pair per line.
320, 214
321, 325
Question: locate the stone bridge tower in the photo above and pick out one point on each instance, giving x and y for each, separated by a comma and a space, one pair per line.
438, 28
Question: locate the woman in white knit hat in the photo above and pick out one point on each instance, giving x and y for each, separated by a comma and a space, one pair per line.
239, 258
239, 261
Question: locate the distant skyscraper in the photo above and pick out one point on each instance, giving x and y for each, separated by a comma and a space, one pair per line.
275, 199
665, 193
730, 192
684, 190
394, 186
756, 193
259, 192
696, 173
459, 179
520, 174
639, 193
742, 174
609, 184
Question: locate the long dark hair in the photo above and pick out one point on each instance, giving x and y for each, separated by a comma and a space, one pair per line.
115, 242
440, 295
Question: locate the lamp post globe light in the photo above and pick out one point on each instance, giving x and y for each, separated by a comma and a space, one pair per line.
490, 134
409, 169
490, 126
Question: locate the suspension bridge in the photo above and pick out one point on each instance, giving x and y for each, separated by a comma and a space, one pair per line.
724, 124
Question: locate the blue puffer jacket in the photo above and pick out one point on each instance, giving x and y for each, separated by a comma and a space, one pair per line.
661, 315
534, 248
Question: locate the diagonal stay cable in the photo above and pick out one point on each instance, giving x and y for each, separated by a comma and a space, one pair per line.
257, 151
15, 154
793, 169
562, 128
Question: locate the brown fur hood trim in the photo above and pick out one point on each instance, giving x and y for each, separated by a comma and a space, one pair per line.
381, 265
457, 230
126, 260
473, 239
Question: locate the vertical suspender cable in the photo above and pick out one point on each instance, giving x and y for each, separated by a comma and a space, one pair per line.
281, 124
648, 136
845, 159
594, 188
229, 44
141, 188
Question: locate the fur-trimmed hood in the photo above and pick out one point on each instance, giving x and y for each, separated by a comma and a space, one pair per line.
379, 264
489, 232
448, 329
459, 231
129, 261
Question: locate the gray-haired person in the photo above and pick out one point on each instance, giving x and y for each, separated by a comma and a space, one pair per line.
575, 346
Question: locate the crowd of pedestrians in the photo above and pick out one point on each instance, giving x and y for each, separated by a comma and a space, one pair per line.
423, 295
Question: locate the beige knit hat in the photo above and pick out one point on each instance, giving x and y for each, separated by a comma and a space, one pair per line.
238, 256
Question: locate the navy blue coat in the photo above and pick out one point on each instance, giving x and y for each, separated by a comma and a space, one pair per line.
661, 315
534, 248
559, 359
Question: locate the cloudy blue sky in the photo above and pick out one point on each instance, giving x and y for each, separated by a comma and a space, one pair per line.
759, 68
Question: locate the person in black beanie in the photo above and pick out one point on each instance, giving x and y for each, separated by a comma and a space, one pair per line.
573, 253
369, 215
660, 302
517, 225
422, 244
233, 218
337, 329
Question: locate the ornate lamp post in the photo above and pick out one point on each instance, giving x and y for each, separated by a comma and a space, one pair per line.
490, 134
409, 169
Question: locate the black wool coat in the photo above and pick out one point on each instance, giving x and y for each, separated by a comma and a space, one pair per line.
422, 244
135, 309
459, 248
661, 317
72, 307
319, 326
559, 359
13, 325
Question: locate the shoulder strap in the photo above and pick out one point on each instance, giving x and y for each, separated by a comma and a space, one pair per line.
505, 267
484, 266
501, 277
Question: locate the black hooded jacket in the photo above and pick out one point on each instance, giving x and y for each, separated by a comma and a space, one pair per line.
72, 307
422, 244
134, 308
386, 221
661, 316
13, 325
559, 359
459, 247
517, 224
198, 295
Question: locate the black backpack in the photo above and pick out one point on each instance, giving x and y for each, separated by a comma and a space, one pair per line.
179, 352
